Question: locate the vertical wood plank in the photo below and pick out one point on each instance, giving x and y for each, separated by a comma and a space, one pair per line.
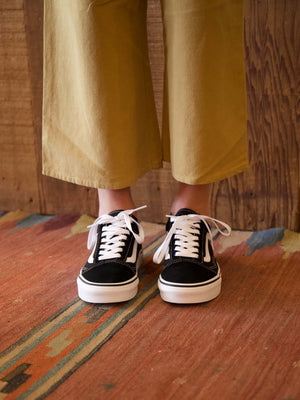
267, 195
18, 176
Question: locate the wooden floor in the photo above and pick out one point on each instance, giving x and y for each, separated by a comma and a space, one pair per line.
243, 345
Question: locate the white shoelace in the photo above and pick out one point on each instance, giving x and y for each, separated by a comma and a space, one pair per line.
184, 228
115, 234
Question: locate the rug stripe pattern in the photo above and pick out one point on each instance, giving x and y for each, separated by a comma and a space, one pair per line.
87, 326
50, 352
92, 344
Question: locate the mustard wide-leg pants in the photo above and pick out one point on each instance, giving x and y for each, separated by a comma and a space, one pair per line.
100, 126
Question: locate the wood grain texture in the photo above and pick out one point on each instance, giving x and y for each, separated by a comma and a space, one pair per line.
18, 177
267, 195
11, 5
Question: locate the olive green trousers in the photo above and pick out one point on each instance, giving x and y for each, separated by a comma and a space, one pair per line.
100, 127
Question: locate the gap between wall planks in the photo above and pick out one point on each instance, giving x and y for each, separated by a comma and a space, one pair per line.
265, 196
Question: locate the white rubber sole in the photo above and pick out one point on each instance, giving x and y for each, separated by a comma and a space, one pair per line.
107, 293
189, 294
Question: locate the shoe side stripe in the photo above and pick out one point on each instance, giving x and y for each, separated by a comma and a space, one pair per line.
189, 285
108, 284
133, 257
207, 257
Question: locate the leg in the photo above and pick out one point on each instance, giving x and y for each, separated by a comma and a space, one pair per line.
204, 136
99, 120
114, 199
100, 127
195, 197
204, 115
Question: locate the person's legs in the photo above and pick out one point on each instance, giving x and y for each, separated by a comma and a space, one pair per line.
195, 197
114, 199
100, 127
204, 136
204, 111
84, 142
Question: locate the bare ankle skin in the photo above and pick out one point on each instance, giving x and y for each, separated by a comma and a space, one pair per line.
114, 199
195, 197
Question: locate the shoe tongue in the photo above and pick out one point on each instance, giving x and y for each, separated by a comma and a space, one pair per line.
185, 211
116, 212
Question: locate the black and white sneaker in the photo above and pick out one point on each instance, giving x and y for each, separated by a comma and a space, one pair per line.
111, 272
191, 273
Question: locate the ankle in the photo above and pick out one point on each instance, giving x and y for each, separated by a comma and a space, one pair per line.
195, 197
114, 199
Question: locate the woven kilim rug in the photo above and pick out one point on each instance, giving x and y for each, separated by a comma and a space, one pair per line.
242, 345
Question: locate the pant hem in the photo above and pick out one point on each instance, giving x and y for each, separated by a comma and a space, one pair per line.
213, 177
119, 183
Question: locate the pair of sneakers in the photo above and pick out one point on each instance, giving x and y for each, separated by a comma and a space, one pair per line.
190, 273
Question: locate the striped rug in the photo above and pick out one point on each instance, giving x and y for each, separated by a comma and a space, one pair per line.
242, 345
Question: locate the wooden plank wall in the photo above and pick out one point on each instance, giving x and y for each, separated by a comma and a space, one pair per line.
19, 175
265, 196
268, 194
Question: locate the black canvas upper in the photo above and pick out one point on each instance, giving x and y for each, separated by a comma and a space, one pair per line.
190, 270
114, 270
